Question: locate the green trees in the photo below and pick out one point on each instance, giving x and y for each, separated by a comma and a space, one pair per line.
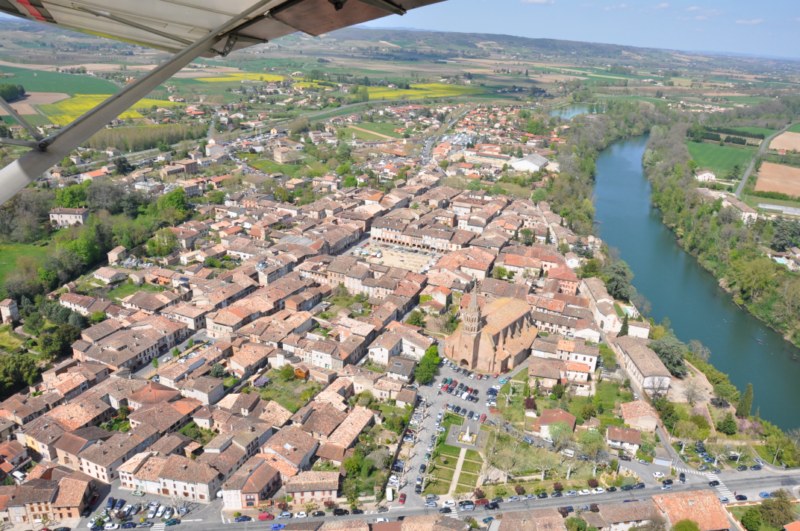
751, 519
173, 206
618, 277
778, 510
624, 330
11, 92
162, 243
671, 351
416, 318
745, 404
727, 425
428, 366
72, 196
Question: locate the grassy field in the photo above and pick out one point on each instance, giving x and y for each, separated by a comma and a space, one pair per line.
40, 81
237, 77
11, 252
383, 128
270, 166
720, 159
349, 132
129, 288
292, 393
421, 91
65, 111
9, 341
794, 129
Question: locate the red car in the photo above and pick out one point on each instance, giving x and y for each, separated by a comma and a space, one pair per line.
483, 418
402, 498
266, 516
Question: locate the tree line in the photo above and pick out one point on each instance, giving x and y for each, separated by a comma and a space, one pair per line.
11, 92
733, 251
141, 137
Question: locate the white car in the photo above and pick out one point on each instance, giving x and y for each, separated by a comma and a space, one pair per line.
160, 511
658, 475
584, 492
301, 514
111, 525
598, 490
449, 503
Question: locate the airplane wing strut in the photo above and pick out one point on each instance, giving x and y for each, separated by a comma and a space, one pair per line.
186, 30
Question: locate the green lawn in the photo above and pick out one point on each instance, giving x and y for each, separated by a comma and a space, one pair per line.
794, 129
270, 166
290, 393
471, 467
196, 433
11, 252
720, 159
41, 81
349, 133
9, 341
384, 128
129, 288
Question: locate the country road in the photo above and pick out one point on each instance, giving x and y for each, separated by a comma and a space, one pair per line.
761, 150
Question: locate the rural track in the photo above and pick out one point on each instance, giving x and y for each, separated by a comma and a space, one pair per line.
761, 150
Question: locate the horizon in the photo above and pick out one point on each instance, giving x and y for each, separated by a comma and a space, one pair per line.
709, 27
756, 37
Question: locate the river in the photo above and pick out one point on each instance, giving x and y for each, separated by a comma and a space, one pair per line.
679, 289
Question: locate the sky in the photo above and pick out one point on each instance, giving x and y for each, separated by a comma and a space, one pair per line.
766, 28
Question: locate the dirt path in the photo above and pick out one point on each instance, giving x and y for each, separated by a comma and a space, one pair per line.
454, 482
380, 135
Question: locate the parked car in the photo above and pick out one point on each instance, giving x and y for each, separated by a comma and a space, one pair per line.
342, 512
285, 514
741, 497
317, 514
402, 498
301, 514
171, 522
243, 518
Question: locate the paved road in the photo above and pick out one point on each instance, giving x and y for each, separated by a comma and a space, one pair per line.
761, 150
200, 520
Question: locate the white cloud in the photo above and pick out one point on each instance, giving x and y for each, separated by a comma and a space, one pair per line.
693, 8
538, 2
750, 21
662, 5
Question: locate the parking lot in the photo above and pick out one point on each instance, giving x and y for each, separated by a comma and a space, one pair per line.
426, 424
147, 513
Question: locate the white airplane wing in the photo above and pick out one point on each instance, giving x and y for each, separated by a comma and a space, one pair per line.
190, 29
172, 24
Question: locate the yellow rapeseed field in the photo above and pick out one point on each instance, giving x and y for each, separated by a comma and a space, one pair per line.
66, 111
420, 91
237, 77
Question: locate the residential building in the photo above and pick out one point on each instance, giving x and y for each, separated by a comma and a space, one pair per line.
313, 486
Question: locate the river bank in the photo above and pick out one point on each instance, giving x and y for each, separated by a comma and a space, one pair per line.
684, 293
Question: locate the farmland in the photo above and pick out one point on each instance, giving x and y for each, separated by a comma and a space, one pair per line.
65, 111
421, 91
43, 81
720, 159
794, 129
789, 141
236, 77
778, 178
